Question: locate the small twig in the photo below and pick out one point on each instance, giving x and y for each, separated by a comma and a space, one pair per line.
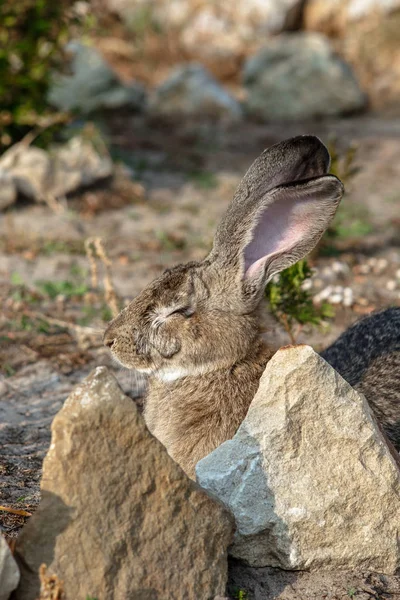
110, 293
16, 511
288, 328
92, 246
65, 324
92, 261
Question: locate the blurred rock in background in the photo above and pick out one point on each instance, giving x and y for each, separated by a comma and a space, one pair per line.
298, 76
93, 85
217, 34
366, 34
191, 91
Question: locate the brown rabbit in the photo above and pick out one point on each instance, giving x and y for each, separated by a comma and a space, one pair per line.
195, 330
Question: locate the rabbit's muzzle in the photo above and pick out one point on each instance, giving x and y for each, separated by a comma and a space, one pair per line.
129, 348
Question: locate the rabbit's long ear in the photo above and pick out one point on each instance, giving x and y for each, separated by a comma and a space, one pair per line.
279, 212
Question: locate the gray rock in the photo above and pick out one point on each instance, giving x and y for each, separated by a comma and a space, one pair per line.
93, 85
308, 476
298, 76
9, 573
192, 92
8, 190
118, 517
42, 175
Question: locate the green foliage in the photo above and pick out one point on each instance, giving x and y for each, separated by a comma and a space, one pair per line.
342, 165
32, 34
31, 324
8, 370
16, 279
241, 595
91, 313
67, 288
205, 180
351, 221
291, 304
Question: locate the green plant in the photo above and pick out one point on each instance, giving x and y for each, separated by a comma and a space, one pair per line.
8, 370
342, 164
351, 221
205, 180
31, 36
241, 595
351, 592
291, 304
169, 241
67, 288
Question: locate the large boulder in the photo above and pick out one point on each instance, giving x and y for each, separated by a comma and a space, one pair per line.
46, 176
8, 190
93, 85
9, 573
298, 76
366, 34
308, 476
191, 91
118, 517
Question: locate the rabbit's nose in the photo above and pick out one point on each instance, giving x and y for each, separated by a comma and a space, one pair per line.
108, 339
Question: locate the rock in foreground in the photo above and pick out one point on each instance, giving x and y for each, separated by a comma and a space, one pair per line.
308, 476
298, 76
9, 574
118, 518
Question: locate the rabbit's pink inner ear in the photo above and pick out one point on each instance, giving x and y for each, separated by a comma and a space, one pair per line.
282, 226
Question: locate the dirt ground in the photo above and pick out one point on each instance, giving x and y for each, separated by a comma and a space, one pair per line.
161, 209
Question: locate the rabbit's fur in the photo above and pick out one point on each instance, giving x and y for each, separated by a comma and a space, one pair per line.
195, 330
367, 355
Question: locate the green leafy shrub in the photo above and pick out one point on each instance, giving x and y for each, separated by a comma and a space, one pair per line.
291, 304
66, 288
351, 220
32, 35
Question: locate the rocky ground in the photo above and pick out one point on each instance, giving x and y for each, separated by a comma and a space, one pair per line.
182, 178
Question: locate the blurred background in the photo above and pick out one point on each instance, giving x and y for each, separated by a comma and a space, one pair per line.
125, 127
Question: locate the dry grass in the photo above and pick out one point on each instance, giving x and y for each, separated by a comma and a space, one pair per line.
51, 587
95, 249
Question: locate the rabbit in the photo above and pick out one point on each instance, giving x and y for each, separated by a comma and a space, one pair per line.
367, 356
195, 330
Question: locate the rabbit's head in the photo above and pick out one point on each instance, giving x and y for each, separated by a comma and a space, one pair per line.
203, 315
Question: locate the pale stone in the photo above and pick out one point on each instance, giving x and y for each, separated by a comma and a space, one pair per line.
118, 517
191, 91
9, 573
308, 476
44, 176
298, 76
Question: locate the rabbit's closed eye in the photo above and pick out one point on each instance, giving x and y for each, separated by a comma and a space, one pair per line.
164, 314
185, 311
